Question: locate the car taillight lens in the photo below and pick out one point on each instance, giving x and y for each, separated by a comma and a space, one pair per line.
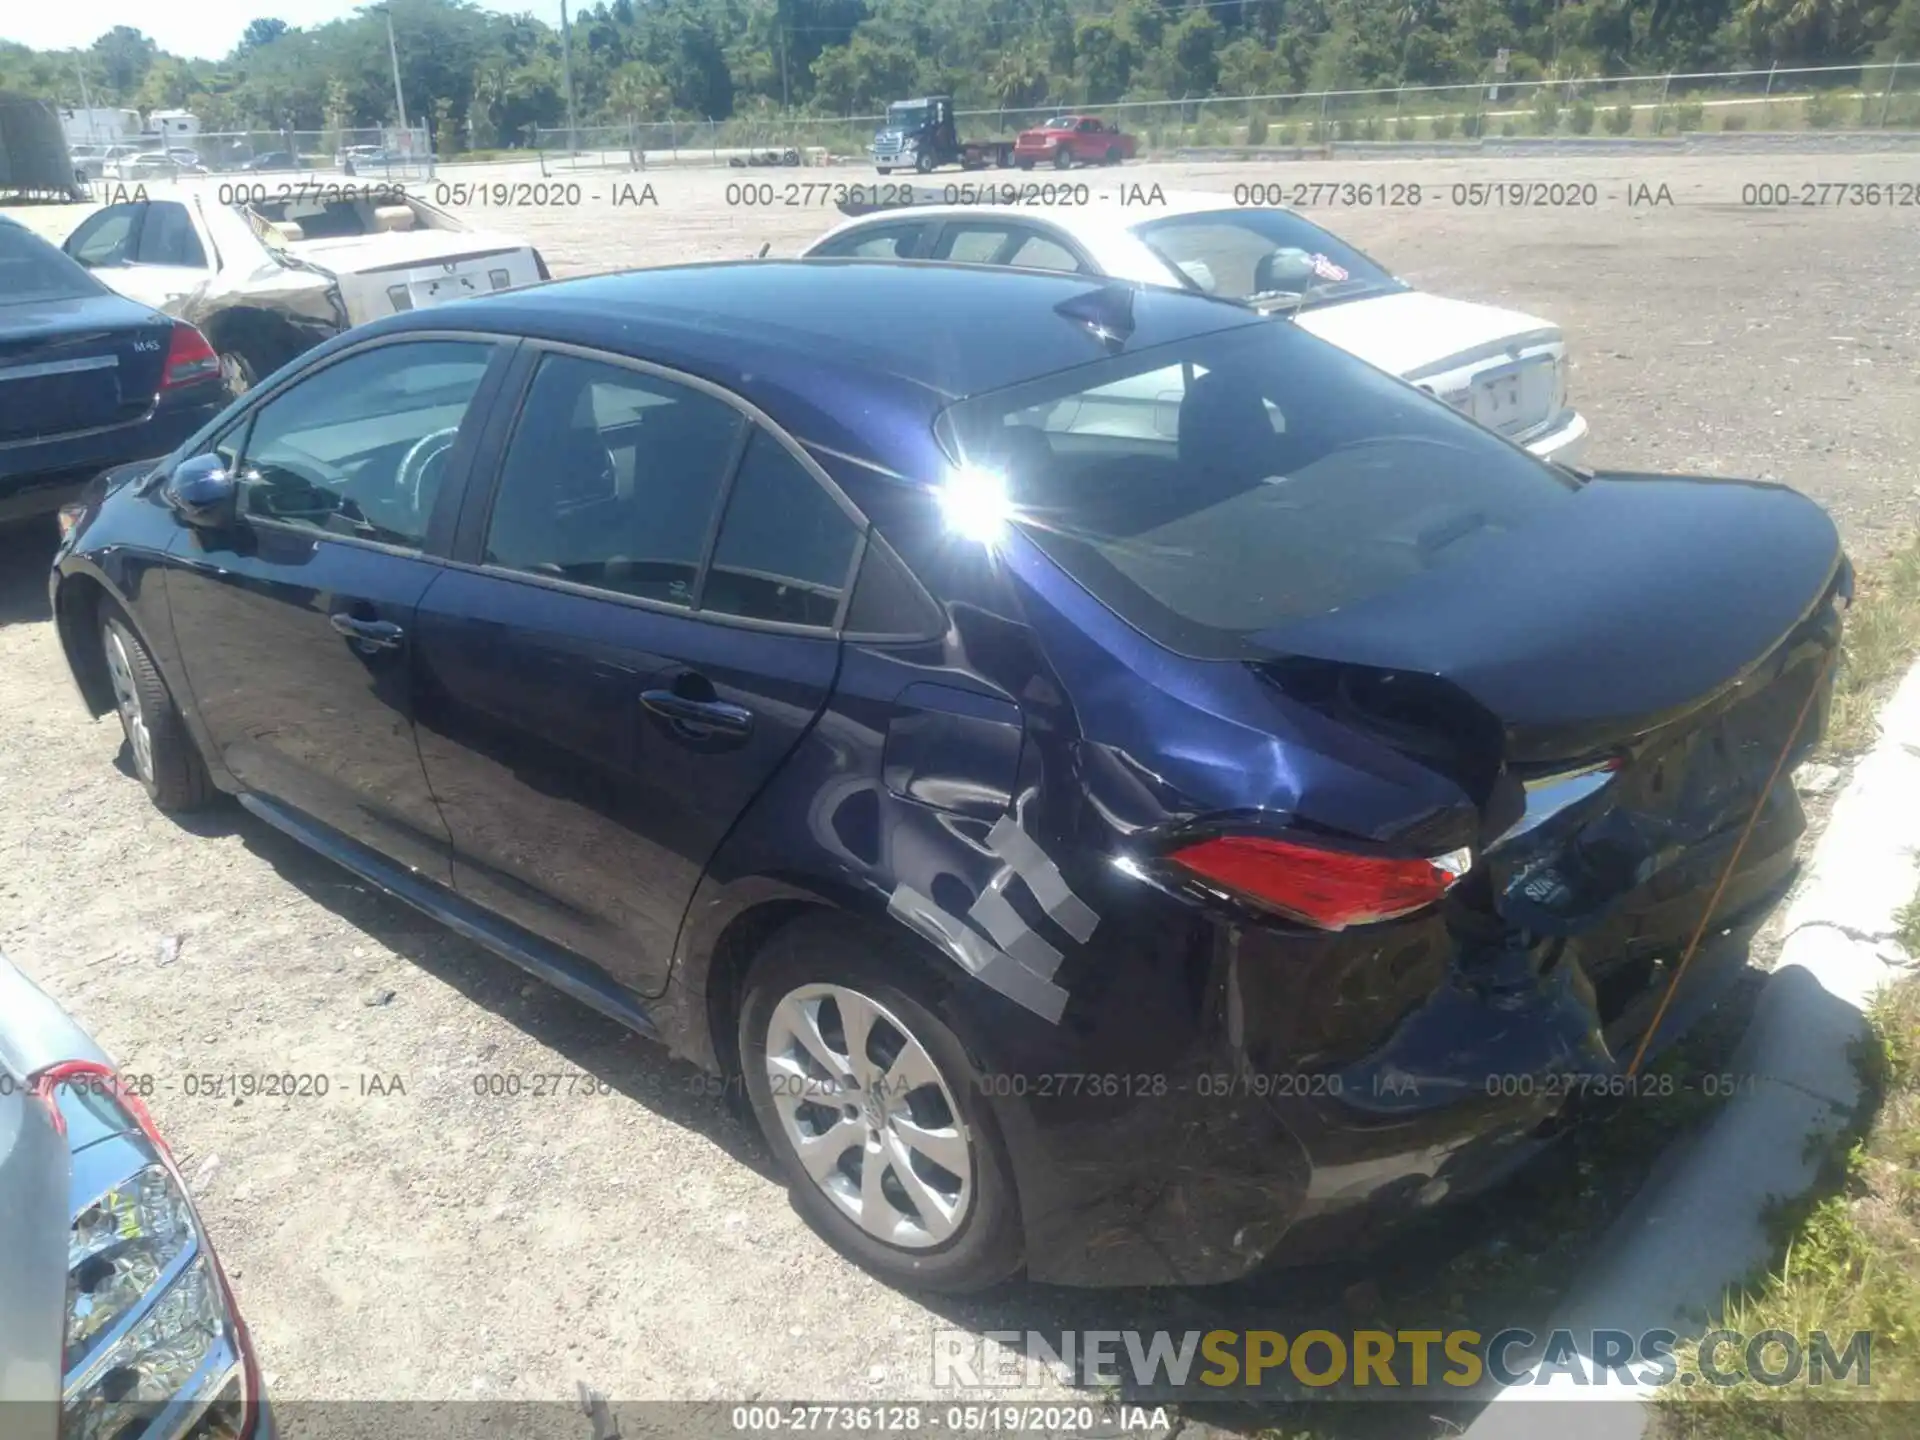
190, 359
151, 1330
499, 279
1331, 889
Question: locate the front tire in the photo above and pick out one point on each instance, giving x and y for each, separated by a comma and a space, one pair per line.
874, 1109
1063, 159
884, 169
1024, 164
164, 756
923, 164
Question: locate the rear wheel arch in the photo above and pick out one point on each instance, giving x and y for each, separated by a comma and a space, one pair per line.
872, 962
265, 341
755, 934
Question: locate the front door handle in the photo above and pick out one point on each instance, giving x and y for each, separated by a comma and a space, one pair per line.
699, 718
369, 634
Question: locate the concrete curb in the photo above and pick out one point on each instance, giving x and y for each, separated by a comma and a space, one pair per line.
1695, 1229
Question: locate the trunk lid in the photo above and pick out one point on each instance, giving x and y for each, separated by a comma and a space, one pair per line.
1614, 685
1502, 368
76, 364
422, 268
1411, 334
1641, 600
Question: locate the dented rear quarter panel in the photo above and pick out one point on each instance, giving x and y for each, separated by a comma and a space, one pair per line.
1189, 1092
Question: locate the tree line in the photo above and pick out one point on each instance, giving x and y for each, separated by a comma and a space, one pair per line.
483, 78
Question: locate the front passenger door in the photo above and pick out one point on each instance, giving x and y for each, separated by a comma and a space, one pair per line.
296, 624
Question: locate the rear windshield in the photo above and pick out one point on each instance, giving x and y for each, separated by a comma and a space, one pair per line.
32, 269
1214, 488
1264, 256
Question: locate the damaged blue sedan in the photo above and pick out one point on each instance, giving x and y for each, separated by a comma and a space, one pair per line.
1127, 791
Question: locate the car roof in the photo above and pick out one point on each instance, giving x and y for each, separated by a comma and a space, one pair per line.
950, 329
1100, 220
856, 355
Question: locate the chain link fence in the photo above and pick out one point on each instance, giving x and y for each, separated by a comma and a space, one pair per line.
376, 153
1778, 99
644, 145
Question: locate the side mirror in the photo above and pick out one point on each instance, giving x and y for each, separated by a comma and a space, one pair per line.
202, 492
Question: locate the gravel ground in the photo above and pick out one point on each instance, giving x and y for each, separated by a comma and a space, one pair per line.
435, 1242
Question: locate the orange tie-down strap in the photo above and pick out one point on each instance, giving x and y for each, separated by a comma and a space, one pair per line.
1733, 863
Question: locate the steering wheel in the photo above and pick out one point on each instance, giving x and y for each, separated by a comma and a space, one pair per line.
413, 466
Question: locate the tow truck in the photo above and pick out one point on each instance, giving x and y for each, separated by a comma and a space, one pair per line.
919, 135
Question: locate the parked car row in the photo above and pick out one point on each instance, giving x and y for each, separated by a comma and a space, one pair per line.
1180, 656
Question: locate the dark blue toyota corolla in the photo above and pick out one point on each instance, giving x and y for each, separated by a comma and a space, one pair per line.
1129, 791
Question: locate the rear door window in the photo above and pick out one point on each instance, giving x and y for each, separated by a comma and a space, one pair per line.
976, 242
168, 238
785, 547
612, 479
1039, 252
882, 242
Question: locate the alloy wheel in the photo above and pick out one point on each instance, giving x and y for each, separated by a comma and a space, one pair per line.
236, 370
869, 1115
126, 696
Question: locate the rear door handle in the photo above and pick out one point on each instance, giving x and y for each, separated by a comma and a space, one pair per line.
369, 634
699, 717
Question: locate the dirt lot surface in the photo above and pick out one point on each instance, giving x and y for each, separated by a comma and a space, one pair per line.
445, 1244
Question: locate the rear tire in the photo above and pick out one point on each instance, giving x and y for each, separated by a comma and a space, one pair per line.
164, 756
1113, 155
240, 370
911, 1099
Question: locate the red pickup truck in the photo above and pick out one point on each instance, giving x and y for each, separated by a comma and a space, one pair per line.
1069, 140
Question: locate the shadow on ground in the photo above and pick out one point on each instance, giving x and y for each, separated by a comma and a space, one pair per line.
1502, 1262
26, 556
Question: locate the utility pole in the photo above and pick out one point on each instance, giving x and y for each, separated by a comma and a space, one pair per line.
393, 54
86, 100
566, 71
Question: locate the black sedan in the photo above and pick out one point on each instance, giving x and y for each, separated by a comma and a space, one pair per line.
1126, 789
88, 378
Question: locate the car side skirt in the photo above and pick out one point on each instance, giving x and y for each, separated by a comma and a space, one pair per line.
565, 972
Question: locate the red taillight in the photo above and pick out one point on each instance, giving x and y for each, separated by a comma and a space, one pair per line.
1328, 888
190, 359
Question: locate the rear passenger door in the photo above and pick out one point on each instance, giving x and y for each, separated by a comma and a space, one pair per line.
641, 626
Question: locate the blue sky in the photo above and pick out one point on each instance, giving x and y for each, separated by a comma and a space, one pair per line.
203, 28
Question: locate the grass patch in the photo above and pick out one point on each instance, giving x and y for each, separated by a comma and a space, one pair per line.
1882, 638
1852, 1262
